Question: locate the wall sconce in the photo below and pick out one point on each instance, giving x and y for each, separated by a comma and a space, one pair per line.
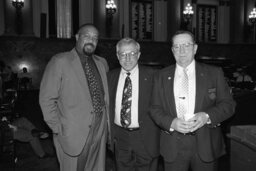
252, 16
252, 20
110, 7
110, 10
18, 4
188, 12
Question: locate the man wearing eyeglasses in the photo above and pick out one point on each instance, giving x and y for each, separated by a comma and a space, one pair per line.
74, 100
135, 136
189, 101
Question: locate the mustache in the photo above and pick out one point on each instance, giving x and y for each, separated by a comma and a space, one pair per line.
86, 44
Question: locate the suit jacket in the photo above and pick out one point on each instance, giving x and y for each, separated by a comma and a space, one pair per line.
212, 96
148, 129
66, 102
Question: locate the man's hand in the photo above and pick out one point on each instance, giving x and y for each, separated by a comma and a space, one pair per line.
199, 120
181, 125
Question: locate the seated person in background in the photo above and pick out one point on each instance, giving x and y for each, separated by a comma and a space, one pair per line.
242, 76
9, 80
242, 79
25, 79
25, 131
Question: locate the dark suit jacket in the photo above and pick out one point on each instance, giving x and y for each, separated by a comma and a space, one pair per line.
148, 129
212, 96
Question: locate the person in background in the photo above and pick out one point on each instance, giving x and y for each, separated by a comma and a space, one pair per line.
135, 135
25, 131
9, 81
189, 102
74, 101
241, 76
25, 79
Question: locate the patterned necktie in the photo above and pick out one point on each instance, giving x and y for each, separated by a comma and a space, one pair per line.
183, 96
93, 87
126, 102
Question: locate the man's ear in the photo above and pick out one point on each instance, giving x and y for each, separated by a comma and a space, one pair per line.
195, 48
139, 55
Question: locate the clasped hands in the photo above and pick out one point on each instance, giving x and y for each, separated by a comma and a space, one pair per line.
192, 124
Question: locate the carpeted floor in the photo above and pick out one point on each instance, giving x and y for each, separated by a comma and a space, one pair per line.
26, 160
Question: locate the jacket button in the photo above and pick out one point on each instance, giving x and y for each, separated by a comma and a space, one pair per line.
90, 126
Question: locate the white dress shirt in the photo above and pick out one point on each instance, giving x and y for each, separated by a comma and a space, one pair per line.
135, 97
191, 88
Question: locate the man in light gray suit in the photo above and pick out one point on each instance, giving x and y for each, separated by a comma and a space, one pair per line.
74, 101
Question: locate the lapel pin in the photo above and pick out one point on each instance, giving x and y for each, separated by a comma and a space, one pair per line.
169, 78
145, 79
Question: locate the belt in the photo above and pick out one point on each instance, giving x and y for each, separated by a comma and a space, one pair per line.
189, 133
128, 129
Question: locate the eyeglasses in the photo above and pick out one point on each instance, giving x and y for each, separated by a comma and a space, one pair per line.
123, 55
185, 46
88, 37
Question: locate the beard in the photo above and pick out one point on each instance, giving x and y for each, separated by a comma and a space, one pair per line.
88, 49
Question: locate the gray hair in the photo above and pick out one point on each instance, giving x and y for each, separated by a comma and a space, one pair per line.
127, 41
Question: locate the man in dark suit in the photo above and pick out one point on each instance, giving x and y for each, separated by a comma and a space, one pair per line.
135, 135
74, 100
190, 100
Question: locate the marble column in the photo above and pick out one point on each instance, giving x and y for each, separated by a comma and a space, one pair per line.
223, 22
99, 16
124, 24
160, 20
237, 21
64, 22
2, 25
85, 11
173, 17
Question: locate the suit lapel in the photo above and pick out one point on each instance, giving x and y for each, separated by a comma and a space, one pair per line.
168, 88
102, 73
143, 89
113, 81
77, 67
200, 86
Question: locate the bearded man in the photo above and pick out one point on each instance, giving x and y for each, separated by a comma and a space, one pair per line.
74, 100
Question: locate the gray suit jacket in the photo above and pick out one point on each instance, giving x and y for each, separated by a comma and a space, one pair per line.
65, 99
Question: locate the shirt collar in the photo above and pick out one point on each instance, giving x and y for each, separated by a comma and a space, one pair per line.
82, 57
190, 68
134, 70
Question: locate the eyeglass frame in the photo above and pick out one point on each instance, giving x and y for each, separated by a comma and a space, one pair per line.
186, 46
131, 54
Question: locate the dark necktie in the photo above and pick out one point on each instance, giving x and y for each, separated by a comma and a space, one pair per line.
93, 87
126, 102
